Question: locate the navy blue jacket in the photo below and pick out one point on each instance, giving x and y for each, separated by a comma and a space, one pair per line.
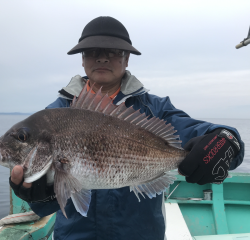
116, 214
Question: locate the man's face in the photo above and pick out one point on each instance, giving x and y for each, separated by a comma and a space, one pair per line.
105, 70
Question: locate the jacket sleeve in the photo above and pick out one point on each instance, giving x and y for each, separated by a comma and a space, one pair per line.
47, 208
186, 126
59, 103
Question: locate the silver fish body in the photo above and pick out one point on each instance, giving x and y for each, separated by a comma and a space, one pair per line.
102, 151
93, 145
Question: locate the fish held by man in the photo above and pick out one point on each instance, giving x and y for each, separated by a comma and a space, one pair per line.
94, 144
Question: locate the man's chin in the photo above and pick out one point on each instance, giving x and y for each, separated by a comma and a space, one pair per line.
102, 79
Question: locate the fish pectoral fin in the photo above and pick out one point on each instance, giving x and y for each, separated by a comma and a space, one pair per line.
64, 186
153, 186
81, 201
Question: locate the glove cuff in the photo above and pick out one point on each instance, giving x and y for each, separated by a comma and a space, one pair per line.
26, 193
230, 137
47, 199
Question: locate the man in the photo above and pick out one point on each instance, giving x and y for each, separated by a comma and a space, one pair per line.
116, 214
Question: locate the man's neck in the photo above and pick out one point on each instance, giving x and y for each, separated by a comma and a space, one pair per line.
110, 89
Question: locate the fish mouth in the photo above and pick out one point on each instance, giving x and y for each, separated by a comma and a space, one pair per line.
31, 178
1, 158
4, 157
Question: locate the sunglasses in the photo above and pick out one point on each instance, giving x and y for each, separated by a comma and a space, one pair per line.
109, 52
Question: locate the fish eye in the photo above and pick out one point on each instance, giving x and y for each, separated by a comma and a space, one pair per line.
21, 137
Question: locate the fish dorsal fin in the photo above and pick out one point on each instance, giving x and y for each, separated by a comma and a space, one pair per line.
102, 103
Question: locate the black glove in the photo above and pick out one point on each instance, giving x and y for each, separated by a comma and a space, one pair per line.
210, 157
38, 192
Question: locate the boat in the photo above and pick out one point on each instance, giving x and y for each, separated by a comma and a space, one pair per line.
210, 211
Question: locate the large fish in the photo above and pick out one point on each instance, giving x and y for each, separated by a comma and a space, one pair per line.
94, 144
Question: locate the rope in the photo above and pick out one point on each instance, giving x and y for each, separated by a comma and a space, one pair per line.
19, 217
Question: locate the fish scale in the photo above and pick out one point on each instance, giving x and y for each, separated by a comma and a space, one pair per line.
116, 147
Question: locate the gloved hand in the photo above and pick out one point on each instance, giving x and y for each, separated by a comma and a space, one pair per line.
209, 158
37, 191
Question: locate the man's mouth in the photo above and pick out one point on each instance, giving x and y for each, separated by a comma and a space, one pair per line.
102, 69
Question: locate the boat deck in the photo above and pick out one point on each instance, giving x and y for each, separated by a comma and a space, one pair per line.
227, 214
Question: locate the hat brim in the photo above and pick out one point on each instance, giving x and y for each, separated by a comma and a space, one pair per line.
103, 42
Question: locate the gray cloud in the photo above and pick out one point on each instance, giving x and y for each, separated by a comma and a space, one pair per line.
187, 51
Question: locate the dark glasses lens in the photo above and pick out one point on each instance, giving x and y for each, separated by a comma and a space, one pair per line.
93, 52
114, 52
109, 52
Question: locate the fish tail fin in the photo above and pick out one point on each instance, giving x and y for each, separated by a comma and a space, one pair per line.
66, 186
157, 185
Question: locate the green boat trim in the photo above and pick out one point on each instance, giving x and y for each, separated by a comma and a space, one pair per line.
38, 230
226, 216
41, 229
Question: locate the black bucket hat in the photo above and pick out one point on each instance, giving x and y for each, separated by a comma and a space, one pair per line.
104, 32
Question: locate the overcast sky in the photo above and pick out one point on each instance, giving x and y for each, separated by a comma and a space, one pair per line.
188, 51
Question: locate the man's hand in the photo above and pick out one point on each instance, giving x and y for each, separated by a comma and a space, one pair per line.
37, 191
17, 177
209, 158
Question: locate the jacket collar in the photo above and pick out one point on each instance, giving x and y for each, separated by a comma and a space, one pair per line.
130, 86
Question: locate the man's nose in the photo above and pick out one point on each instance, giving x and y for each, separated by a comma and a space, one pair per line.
102, 58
